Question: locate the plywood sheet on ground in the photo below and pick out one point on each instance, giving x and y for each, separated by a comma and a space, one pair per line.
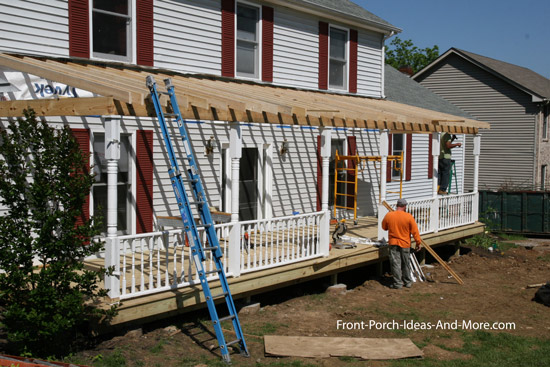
324, 347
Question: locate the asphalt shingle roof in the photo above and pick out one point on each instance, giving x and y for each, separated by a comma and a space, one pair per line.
402, 89
525, 79
350, 8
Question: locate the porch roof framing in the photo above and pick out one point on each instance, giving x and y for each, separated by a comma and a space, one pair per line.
123, 92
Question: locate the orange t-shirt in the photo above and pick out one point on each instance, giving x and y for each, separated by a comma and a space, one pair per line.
400, 225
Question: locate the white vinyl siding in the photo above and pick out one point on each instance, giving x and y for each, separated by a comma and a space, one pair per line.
369, 64
187, 36
295, 49
38, 27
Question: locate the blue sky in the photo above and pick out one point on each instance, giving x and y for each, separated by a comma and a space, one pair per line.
514, 31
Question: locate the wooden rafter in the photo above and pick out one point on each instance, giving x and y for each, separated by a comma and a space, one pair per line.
214, 98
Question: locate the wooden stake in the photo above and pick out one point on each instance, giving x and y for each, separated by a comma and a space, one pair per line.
433, 253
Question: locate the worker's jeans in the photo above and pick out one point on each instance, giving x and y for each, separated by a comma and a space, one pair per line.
443, 173
400, 261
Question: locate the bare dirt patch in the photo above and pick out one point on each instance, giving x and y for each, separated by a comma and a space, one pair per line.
494, 293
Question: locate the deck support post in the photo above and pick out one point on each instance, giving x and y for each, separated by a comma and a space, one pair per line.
382, 211
112, 155
235, 152
326, 136
434, 218
477, 152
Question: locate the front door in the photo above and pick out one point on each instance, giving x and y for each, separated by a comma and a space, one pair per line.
248, 184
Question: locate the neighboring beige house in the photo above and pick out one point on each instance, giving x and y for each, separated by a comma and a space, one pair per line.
516, 102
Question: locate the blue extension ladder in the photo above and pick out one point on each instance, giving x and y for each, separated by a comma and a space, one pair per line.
189, 225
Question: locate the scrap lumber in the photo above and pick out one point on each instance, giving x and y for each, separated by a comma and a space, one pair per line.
433, 253
325, 347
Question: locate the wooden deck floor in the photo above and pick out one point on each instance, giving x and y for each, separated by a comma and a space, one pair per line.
170, 303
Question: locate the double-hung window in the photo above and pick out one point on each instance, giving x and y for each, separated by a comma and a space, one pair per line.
112, 32
248, 44
338, 56
398, 148
99, 187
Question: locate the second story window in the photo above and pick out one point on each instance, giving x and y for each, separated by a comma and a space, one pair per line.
248, 41
111, 29
338, 58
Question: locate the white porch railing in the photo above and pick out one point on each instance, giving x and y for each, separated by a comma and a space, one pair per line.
159, 261
457, 210
279, 241
435, 214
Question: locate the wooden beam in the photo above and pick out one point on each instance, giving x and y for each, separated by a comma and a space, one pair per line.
60, 107
44, 71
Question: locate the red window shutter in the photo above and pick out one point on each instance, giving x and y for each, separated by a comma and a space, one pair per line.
353, 61
352, 150
228, 38
430, 159
267, 44
144, 32
79, 29
389, 166
408, 157
82, 137
323, 55
144, 181
319, 174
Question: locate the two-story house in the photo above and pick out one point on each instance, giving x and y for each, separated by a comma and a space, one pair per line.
269, 89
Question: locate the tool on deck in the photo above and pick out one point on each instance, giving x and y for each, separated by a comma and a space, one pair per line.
198, 249
339, 231
432, 252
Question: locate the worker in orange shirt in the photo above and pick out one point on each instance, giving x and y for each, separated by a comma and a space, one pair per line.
400, 226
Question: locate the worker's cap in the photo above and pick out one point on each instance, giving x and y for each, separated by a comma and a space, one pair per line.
401, 202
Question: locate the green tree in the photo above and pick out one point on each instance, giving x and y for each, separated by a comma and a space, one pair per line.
46, 295
405, 54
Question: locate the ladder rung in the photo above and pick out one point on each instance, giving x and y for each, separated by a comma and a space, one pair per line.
211, 272
343, 207
219, 295
210, 248
230, 317
351, 195
345, 181
233, 342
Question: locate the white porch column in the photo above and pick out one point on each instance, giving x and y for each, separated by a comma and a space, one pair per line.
382, 211
112, 155
477, 152
326, 136
235, 153
434, 217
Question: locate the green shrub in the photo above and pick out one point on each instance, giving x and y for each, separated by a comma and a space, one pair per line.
45, 292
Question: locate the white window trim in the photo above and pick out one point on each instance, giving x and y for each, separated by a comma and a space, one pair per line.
346, 76
132, 34
403, 164
260, 33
